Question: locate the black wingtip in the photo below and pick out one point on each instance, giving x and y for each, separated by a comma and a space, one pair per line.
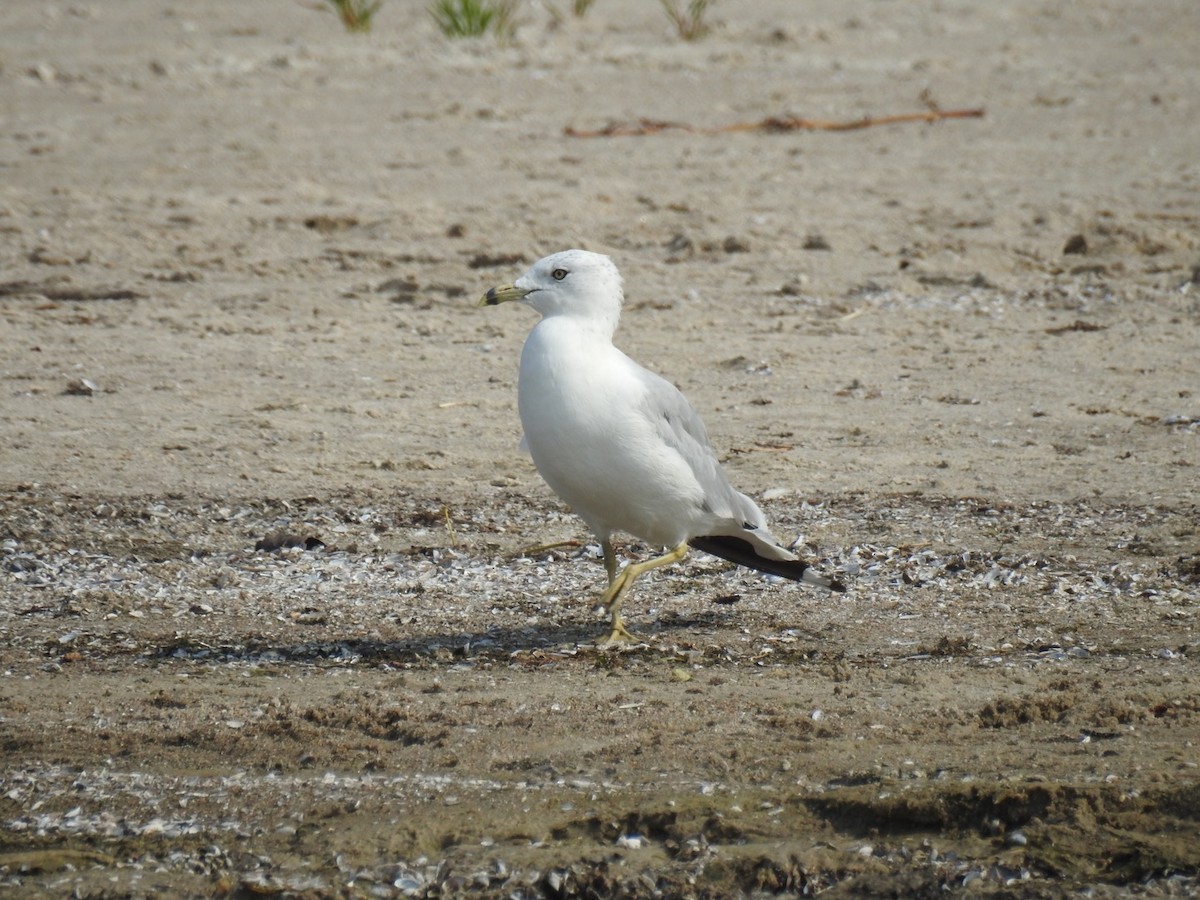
742, 552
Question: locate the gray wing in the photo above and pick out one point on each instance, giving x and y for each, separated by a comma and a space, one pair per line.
681, 428
741, 534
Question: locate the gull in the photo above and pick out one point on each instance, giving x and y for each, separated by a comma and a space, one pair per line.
620, 444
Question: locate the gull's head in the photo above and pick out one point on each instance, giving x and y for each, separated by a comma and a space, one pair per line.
575, 283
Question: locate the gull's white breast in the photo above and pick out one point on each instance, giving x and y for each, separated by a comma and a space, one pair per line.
592, 433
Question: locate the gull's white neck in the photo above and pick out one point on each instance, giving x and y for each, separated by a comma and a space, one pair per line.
594, 324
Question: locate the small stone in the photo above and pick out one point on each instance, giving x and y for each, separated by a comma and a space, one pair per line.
680, 246
81, 387
1076, 245
44, 256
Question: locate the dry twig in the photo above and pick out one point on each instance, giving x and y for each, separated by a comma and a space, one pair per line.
772, 123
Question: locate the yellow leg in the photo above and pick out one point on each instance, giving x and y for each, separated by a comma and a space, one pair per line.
620, 584
610, 560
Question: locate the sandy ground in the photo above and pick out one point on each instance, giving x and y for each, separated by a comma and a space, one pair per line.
239, 261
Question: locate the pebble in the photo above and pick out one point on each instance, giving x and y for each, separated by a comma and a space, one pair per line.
81, 387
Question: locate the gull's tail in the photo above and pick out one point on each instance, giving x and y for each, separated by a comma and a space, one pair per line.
742, 552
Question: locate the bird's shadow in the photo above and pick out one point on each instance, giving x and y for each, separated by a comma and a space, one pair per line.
657, 637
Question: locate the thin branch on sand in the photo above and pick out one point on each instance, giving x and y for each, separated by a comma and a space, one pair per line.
643, 127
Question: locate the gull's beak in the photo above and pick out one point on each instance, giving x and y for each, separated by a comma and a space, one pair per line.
503, 294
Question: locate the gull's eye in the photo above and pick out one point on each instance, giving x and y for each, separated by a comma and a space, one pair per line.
559, 274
